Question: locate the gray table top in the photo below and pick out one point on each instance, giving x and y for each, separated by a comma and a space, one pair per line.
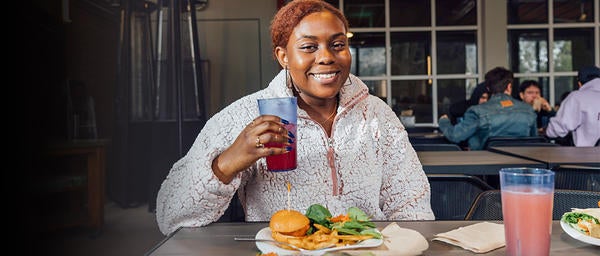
475, 162
553, 156
217, 239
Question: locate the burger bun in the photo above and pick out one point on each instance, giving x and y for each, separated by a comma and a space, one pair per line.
289, 223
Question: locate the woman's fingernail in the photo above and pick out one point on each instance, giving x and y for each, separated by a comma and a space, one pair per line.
290, 141
288, 148
291, 135
284, 121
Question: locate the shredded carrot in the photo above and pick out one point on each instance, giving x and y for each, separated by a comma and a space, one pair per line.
340, 218
583, 225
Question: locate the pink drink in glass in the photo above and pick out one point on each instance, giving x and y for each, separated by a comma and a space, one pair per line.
283, 162
527, 216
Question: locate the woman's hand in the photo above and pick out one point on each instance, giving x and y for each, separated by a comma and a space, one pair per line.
250, 146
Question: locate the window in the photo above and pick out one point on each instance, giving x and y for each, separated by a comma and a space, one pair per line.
424, 55
427, 67
549, 40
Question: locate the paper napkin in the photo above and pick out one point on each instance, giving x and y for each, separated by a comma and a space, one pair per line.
397, 241
480, 238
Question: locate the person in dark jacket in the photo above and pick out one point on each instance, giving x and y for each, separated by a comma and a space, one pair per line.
501, 115
530, 92
479, 95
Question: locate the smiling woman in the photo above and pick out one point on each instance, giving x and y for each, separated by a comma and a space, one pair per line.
318, 63
352, 150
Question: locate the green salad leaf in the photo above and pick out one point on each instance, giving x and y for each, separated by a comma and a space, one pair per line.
573, 217
372, 232
359, 223
319, 214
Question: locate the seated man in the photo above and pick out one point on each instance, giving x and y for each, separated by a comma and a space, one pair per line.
579, 113
501, 115
531, 93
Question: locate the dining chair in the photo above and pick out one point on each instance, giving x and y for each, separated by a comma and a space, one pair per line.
436, 147
499, 141
417, 129
578, 177
488, 205
453, 194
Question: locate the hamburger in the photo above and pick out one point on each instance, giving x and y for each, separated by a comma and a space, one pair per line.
289, 226
289, 223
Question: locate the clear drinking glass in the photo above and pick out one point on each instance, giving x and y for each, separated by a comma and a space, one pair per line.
527, 198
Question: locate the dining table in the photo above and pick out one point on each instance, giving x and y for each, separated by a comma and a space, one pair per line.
218, 239
473, 162
554, 156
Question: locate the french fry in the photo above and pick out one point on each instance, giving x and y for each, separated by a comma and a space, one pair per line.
325, 237
353, 237
322, 238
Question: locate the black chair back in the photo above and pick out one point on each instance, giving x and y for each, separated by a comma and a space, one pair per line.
565, 199
488, 205
453, 194
436, 147
419, 129
577, 177
499, 141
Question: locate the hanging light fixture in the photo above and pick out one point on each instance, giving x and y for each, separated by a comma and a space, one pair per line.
582, 16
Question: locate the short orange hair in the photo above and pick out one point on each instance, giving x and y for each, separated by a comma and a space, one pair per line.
291, 14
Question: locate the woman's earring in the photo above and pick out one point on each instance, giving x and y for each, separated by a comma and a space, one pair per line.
290, 84
286, 78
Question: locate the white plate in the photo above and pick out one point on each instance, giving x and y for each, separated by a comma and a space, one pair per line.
265, 233
574, 233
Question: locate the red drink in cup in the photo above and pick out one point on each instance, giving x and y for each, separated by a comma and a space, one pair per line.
286, 108
283, 162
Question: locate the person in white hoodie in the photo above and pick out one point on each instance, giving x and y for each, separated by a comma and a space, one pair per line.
352, 149
579, 113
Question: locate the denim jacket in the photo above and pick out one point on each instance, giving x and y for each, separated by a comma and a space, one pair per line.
502, 115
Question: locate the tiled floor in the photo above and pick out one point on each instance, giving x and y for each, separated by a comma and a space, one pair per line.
131, 231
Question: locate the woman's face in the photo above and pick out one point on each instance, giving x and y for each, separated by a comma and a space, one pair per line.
484, 98
317, 55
